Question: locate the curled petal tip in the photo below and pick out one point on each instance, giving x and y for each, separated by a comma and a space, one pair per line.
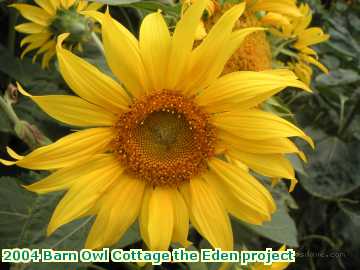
21, 90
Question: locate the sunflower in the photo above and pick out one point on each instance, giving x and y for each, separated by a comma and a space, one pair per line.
287, 43
165, 147
300, 37
50, 19
255, 53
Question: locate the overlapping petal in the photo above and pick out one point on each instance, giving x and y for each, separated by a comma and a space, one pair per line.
117, 211
73, 110
34, 14
258, 125
155, 42
73, 148
208, 214
65, 177
182, 43
89, 82
202, 57
242, 194
158, 221
131, 72
83, 194
227, 93
181, 219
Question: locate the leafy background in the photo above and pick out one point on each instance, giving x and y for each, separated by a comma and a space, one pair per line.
320, 219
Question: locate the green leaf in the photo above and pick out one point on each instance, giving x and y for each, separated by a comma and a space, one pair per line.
337, 77
297, 163
24, 221
281, 228
352, 209
130, 237
333, 169
275, 105
330, 61
23, 71
14, 213
153, 6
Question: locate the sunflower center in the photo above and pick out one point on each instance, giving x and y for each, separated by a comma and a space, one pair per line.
164, 139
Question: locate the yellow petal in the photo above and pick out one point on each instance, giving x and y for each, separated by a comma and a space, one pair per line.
67, 3
160, 218
89, 82
30, 28
73, 110
271, 165
236, 39
310, 36
117, 212
82, 5
83, 195
315, 62
202, 58
76, 147
154, 45
271, 146
38, 39
245, 89
144, 215
200, 31
243, 196
125, 61
182, 43
35, 41
34, 14
55, 4
286, 7
64, 178
258, 125
181, 219
46, 58
46, 5
48, 46
208, 214
94, 6
274, 19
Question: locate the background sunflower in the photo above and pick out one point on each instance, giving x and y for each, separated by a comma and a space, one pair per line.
320, 218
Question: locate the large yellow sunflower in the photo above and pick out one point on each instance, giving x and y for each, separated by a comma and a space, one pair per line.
165, 149
49, 20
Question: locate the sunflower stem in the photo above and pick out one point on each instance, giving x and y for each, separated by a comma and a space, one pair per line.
9, 111
289, 53
281, 47
28, 133
98, 43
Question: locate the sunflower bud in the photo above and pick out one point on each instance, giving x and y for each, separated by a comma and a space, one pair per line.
70, 21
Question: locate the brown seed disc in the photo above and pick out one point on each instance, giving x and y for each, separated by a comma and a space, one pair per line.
164, 139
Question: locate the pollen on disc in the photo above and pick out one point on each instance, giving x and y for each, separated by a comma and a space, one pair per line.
164, 139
